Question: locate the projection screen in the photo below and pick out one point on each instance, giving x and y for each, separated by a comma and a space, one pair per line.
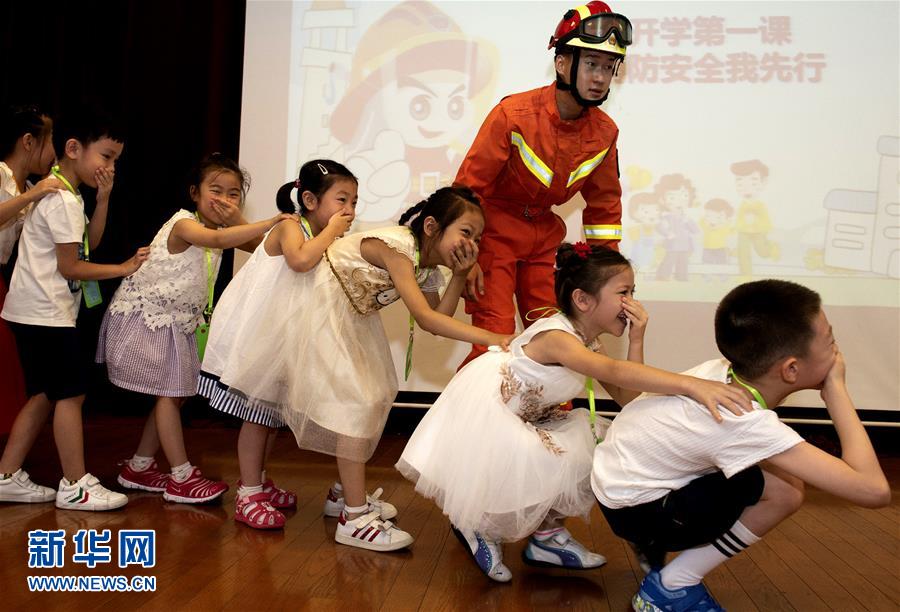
780, 119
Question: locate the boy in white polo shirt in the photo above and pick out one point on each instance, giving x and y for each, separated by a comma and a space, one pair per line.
668, 478
42, 307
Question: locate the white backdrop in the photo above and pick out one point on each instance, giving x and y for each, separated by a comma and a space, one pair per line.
806, 90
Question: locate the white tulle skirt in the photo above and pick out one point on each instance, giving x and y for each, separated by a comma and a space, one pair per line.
492, 472
326, 369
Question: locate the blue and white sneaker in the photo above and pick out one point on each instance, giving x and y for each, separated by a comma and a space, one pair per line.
654, 597
560, 549
488, 555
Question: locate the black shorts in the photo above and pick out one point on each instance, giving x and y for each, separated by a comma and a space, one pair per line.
696, 514
52, 360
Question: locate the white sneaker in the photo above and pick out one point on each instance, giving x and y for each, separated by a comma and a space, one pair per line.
19, 488
88, 494
334, 503
560, 550
487, 554
370, 532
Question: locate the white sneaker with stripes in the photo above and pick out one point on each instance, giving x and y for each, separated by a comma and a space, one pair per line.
371, 532
88, 494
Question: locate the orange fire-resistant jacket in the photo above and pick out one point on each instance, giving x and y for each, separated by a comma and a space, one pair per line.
527, 159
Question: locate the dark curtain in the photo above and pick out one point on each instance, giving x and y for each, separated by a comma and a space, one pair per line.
171, 71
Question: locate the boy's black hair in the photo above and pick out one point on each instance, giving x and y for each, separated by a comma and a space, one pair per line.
584, 267
759, 323
86, 125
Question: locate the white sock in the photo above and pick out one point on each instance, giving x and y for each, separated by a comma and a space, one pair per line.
337, 489
244, 491
546, 534
689, 568
182, 472
139, 464
348, 510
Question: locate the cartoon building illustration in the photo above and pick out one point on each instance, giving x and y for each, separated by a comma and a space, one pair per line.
325, 61
863, 231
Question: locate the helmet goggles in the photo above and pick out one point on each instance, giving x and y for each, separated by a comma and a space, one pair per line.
598, 28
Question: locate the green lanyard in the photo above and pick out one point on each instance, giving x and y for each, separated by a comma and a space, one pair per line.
90, 289
412, 320
545, 311
55, 172
756, 394
210, 279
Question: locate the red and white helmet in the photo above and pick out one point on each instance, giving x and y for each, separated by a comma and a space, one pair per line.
593, 26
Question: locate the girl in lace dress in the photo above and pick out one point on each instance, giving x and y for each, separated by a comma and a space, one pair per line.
326, 195
498, 454
324, 361
147, 336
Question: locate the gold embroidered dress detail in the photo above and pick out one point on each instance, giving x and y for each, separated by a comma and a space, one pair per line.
324, 362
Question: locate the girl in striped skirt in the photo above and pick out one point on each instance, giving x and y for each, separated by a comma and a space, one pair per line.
147, 338
326, 197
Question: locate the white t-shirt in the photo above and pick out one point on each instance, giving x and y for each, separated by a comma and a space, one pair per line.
38, 293
9, 231
659, 443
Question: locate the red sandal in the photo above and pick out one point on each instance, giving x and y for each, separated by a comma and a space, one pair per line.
256, 511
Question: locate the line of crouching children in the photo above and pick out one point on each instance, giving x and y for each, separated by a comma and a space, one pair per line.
296, 340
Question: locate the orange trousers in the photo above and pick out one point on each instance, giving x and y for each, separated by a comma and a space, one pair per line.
517, 255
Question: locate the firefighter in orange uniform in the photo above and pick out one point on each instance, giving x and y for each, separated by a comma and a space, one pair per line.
536, 150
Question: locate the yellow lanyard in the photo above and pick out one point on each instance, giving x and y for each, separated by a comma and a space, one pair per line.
55, 172
305, 224
412, 320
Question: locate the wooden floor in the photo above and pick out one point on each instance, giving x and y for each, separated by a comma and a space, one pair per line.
829, 556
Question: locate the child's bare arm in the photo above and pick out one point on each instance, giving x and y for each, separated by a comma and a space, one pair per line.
402, 274
105, 178
231, 214
637, 318
191, 232
72, 268
303, 255
557, 346
11, 207
857, 475
465, 256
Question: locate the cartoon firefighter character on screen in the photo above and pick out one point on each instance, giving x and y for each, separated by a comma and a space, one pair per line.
417, 80
536, 150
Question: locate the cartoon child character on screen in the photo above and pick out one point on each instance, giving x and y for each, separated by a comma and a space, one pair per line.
416, 86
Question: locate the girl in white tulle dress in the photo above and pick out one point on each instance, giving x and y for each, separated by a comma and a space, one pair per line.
326, 197
498, 454
147, 337
323, 359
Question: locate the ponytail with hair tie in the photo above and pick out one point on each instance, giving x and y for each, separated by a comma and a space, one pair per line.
316, 176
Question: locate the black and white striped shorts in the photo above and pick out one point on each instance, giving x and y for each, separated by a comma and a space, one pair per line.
222, 398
